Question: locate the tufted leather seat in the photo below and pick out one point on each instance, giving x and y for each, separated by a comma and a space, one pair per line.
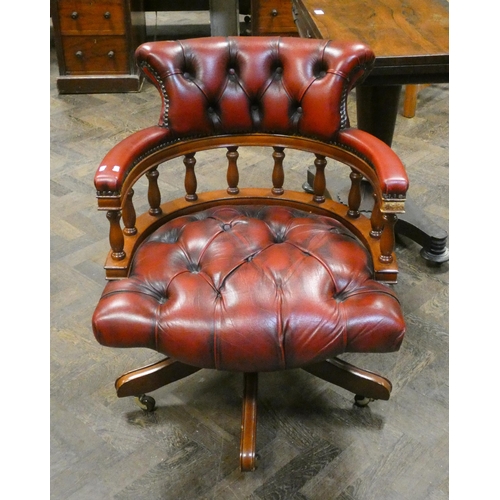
251, 279
267, 288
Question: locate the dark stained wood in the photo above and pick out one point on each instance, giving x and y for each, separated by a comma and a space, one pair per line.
273, 17
278, 176
319, 185
152, 377
385, 268
356, 380
233, 176
410, 39
354, 199
80, 17
411, 42
248, 461
385, 271
95, 43
190, 182
377, 110
154, 195
116, 239
387, 237
129, 215
376, 219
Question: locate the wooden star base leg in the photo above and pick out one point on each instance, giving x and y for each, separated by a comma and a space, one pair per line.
360, 382
248, 461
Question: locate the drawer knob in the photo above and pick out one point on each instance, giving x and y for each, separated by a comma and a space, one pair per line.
79, 54
274, 13
74, 15
111, 54
107, 15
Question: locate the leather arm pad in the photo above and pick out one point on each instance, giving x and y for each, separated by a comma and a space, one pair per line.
114, 167
391, 172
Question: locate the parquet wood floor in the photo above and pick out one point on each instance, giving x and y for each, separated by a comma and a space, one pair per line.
313, 443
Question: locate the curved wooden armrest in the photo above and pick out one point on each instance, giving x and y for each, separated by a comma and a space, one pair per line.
113, 169
393, 179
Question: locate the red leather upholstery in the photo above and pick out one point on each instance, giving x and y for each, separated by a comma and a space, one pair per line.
216, 86
246, 278
250, 84
250, 289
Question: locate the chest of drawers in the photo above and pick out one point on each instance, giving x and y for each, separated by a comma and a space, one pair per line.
95, 42
273, 17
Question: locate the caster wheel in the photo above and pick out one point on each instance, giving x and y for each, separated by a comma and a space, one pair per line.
362, 400
147, 403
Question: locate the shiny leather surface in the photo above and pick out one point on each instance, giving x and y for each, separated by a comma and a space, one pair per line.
249, 84
250, 289
243, 85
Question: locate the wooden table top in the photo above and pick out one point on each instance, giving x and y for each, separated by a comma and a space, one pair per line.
411, 35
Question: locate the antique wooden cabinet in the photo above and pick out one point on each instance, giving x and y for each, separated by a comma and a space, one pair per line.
95, 42
273, 17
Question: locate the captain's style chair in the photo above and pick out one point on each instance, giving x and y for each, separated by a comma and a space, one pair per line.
250, 279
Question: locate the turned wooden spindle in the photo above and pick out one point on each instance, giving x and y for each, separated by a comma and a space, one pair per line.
319, 179
116, 239
354, 198
190, 182
233, 176
387, 238
129, 216
376, 219
154, 195
278, 173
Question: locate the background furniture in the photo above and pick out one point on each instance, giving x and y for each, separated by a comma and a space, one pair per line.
410, 40
273, 17
95, 43
251, 279
410, 100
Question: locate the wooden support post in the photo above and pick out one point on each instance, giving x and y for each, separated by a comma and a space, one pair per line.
233, 176
249, 423
116, 239
154, 196
129, 216
278, 173
190, 182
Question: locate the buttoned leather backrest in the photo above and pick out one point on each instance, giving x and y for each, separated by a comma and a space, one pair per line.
254, 84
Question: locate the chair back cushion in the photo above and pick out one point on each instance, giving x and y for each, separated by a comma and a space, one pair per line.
222, 85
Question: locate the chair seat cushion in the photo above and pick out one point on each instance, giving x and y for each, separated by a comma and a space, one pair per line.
250, 288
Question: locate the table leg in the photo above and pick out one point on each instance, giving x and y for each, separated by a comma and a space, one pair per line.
377, 110
224, 18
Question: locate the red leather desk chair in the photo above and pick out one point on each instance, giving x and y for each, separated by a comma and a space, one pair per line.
251, 279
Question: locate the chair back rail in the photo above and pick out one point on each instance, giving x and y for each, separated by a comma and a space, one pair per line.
235, 92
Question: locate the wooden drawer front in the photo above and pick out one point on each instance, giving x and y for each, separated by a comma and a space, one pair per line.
101, 55
275, 16
90, 17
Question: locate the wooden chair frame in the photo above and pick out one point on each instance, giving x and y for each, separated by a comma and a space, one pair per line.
377, 233
365, 157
